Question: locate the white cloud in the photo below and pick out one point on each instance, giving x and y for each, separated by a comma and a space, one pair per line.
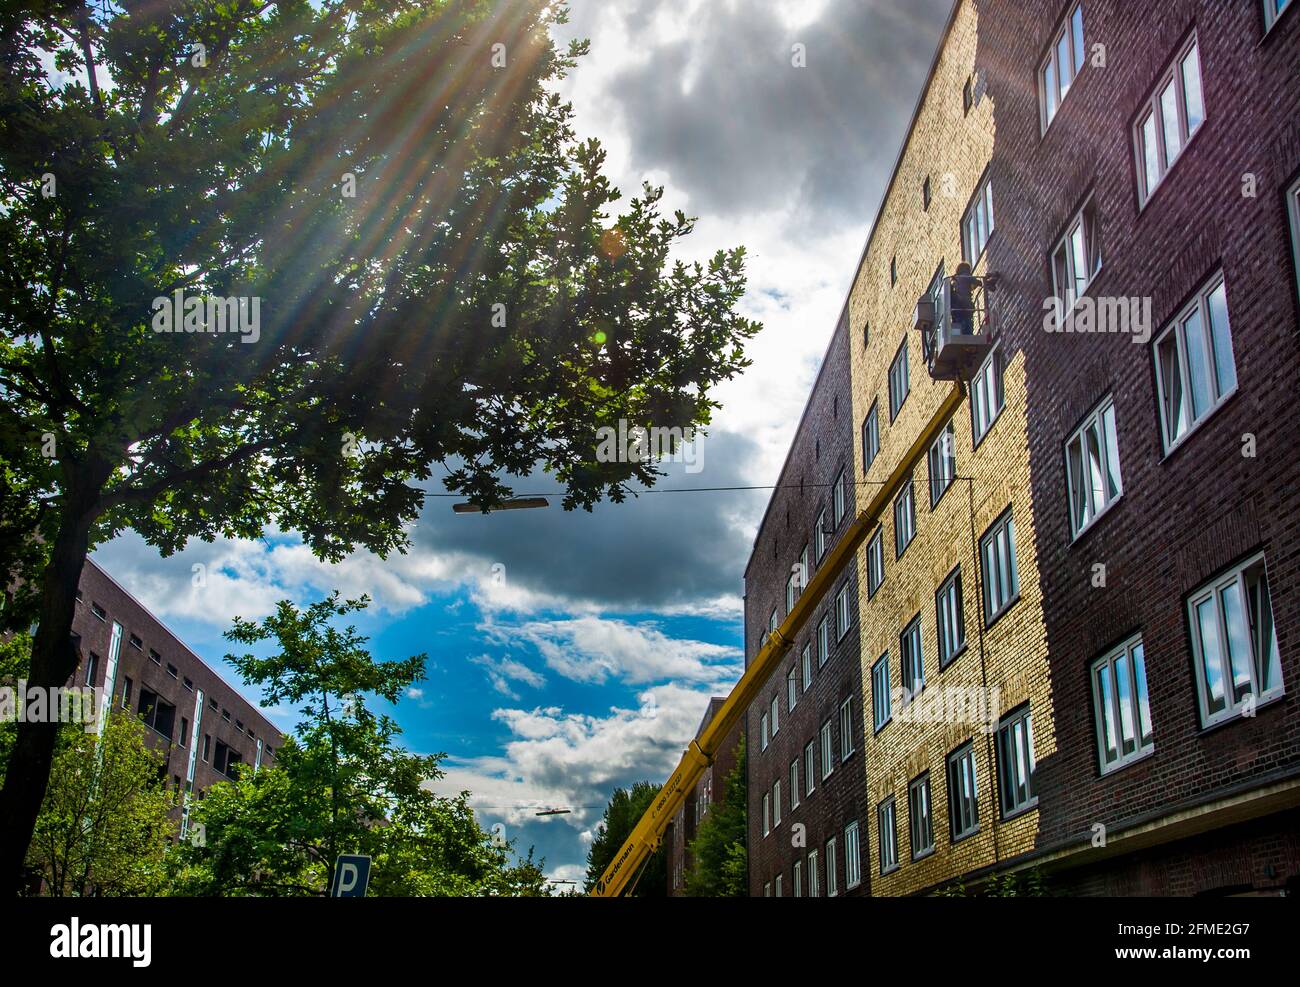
502, 671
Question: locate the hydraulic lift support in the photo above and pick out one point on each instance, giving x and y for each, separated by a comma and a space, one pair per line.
648, 832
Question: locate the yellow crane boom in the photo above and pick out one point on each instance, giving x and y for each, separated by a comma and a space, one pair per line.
649, 830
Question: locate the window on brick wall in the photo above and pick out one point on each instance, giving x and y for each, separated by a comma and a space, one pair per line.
871, 437
762, 732
1063, 64
1092, 474
1293, 208
977, 224
880, 691
92, 668
806, 665
828, 750
1076, 260
986, 396
846, 729
832, 868
1171, 118
875, 562
904, 519
912, 660
1196, 370
1016, 762
810, 767
794, 784
1121, 706
1234, 643
775, 719
920, 817
899, 382
791, 688
776, 886
963, 793
776, 802
852, 857
887, 836
791, 590
814, 884
126, 692
949, 619
839, 499
767, 889
941, 463
1273, 9
843, 612
823, 640
797, 875
819, 535
998, 561
767, 813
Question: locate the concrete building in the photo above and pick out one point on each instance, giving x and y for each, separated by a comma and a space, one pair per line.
1078, 621
709, 792
204, 726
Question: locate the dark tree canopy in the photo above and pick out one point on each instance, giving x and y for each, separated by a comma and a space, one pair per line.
624, 811
395, 191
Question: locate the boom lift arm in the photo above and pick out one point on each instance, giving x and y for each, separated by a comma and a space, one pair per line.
649, 830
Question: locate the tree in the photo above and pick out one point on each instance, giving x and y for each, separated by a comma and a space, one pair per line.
104, 826
428, 268
340, 784
623, 812
719, 865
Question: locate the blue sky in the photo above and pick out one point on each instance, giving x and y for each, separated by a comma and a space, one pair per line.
569, 653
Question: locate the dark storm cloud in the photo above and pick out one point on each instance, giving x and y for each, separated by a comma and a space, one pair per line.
751, 132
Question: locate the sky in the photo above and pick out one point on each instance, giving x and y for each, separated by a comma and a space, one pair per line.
571, 653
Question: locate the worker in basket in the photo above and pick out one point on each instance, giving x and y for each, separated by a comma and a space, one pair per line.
963, 304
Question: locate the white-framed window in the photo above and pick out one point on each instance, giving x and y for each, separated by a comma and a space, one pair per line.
1234, 643
977, 223
838, 498
875, 562
941, 462
776, 715
871, 436
1092, 474
832, 877
776, 802
1121, 705
773, 620
912, 660
898, 381
1016, 762
797, 884
852, 856
819, 535
880, 691
1196, 370
794, 784
823, 640
805, 663
814, 887
904, 519
776, 886
887, 835
1273, 9
791, 688
1174, 114
920, 817
963, 792
843, 613
1293, 208
804, 569
846, 729
810, 767
791, 584
767, 813
1076, 260
762, 732
1063, 64
949, 619
986, 396
998, 559
828, 751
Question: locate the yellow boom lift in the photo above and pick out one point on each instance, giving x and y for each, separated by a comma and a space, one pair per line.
649, 831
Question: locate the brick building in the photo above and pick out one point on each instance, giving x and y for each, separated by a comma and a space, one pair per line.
804, 739
205, 727
709, 792
1094, 539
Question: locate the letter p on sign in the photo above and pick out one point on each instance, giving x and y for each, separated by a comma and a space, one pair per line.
351, 876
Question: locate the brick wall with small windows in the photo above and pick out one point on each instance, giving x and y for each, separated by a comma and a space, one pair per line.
1165, 481
159, 680
709, 792
809, 714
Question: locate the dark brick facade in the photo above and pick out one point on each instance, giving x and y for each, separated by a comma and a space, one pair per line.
148, 654
821, 449
1188, 515
709, 792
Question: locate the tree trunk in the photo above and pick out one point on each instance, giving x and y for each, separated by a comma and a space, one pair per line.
54, 659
